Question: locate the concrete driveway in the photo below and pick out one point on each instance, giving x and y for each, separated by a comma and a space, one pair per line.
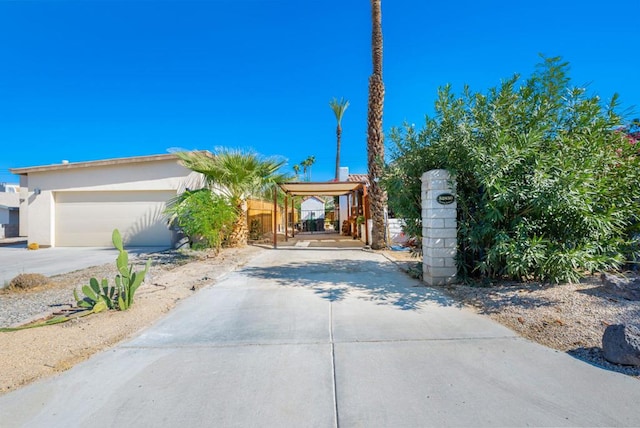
325, 338
17, 259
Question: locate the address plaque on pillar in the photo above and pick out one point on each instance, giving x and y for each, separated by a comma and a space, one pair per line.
445, 198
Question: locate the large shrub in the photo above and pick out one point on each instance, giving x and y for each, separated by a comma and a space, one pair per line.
206, 218
547, 184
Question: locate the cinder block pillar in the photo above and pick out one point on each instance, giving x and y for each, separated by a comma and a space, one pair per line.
439, 228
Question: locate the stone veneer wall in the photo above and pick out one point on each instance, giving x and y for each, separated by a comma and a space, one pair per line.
439, 228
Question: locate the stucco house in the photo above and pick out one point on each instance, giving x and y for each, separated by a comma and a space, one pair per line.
312, 208
312, 213
9, 214
9, 188
79, 204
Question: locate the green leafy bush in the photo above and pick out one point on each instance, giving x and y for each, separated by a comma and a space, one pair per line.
206, 218
547, 185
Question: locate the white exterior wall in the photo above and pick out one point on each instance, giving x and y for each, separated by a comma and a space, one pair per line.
396, 234
156, 175
312, 206
24, 206
344, 201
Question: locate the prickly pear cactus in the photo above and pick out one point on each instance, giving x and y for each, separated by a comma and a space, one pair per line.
99, 297
127, 281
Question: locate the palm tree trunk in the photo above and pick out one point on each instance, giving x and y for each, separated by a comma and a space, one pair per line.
375, 137
375, 144
240, 232
338, 135
376, 37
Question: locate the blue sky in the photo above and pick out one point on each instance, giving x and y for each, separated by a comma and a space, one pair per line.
87, 80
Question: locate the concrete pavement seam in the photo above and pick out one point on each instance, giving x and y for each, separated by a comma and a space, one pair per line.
336, 420
435, 339
230, 345
332, 342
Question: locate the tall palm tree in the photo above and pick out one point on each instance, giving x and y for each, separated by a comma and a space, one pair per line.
296, 169
238, 175
338, 108
310, 161
306, 167
375, 138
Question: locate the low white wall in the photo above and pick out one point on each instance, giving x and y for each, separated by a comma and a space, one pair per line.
396, 233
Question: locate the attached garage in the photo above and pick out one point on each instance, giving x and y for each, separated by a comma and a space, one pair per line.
78, 204
86, 219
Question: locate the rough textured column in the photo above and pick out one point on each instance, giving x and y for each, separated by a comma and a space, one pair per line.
439, 228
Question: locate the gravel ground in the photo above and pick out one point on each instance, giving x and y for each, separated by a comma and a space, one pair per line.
18, 307
568, 317
31, 354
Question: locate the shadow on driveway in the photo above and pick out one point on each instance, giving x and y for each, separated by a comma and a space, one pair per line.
363, 279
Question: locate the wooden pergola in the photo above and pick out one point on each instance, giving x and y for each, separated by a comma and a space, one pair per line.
327, 188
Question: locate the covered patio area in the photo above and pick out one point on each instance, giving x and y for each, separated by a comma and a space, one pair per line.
358, 205
327, 239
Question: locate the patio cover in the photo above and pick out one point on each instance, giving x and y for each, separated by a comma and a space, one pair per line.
327, 188
307, 188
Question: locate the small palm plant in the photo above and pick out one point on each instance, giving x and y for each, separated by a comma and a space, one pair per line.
238, 175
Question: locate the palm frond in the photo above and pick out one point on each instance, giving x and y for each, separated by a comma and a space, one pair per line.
339, 108
237, 173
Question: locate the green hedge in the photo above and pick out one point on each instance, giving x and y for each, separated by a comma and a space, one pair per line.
547, 180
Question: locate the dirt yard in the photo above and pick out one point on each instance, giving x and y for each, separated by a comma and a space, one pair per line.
31, 354
568, 317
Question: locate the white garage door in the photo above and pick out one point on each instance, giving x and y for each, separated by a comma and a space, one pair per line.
87, 219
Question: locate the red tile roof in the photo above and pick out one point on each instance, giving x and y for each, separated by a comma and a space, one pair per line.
359, 178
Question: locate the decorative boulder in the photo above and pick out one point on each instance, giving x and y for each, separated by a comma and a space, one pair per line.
621, 344
627, 288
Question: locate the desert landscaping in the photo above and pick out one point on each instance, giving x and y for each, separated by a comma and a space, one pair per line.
31, 354
568, 317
